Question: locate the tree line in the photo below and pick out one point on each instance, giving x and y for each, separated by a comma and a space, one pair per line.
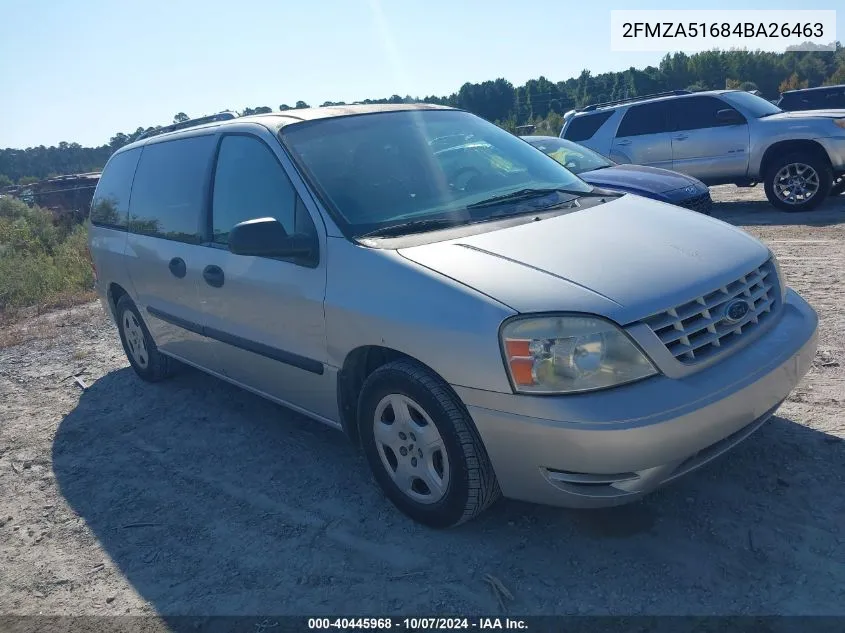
540, 101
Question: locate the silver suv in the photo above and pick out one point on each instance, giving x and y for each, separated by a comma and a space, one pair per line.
474, 316
720, 137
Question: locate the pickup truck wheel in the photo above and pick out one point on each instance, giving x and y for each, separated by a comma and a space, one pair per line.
422, 447
798, 182
150, 364
838, 186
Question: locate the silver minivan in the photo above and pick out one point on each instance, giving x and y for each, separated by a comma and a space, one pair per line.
479, 320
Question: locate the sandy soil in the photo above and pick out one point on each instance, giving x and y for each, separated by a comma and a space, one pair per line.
192, 497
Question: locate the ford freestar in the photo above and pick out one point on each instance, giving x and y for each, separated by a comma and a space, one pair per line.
480, 322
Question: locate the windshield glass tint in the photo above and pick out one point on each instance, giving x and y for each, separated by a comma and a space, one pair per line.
376, 170
753, 105
576, 158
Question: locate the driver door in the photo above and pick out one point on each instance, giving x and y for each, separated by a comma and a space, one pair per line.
264, 314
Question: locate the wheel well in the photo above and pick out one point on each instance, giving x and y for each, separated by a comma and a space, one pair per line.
115, 292
783, 147
359, 364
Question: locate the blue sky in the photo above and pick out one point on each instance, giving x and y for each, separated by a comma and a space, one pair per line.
83, 70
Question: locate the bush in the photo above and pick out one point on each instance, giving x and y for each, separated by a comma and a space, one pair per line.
39, 265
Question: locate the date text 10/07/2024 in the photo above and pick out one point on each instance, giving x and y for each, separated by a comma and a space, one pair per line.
417, 624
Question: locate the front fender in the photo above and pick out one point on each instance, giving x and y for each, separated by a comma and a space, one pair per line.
378, 298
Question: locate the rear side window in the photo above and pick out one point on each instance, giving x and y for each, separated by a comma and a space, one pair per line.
169, 190
695, 113
836, 99
110, 204
648, 118
833, 98
584, 127
786, 102
802, 101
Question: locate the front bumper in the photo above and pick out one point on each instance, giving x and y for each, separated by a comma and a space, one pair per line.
610, 447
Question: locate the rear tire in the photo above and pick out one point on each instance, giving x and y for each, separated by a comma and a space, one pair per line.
150, 364
798, 182
422, 447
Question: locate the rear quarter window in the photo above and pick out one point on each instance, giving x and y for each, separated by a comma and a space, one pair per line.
813, 100
649, 118
836, 99
110, 204
170, 188
584, 127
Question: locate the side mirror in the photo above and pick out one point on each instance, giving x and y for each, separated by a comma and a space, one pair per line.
266, 237
729, 116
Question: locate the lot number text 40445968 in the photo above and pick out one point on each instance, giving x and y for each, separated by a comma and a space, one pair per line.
418, 624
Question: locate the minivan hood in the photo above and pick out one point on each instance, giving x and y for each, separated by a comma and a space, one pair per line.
641, 178
625, 259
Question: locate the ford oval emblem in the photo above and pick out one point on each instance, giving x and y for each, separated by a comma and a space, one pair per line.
736, 310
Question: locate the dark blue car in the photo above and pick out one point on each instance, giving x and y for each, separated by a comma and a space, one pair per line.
649, 182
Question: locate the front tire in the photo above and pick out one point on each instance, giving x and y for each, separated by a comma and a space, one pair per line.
798, 182
150, 364
422, 446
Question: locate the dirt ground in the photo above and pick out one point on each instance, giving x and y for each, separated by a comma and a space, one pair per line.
193, 497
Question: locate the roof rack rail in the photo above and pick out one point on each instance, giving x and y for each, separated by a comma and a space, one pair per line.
670, 93
220, 116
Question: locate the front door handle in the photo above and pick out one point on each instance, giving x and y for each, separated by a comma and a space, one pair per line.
213, 276
626, 142
177, 267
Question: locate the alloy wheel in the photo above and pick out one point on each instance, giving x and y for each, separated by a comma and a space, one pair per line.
796, 183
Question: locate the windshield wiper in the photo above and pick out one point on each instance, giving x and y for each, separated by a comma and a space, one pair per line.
527, 194
416, 226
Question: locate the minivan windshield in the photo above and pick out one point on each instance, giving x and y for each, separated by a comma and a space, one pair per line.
753, 105
424, 169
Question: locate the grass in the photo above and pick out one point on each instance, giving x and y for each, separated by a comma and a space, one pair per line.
44, 326
42, 266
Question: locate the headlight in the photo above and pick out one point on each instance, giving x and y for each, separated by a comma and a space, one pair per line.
779, 273
568, 354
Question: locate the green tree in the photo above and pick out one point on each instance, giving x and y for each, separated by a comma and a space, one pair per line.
5, 181
180, 117
792, 83
258, 110
838, 77
499, 100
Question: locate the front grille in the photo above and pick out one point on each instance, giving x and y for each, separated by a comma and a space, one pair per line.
699, 329
702, 203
